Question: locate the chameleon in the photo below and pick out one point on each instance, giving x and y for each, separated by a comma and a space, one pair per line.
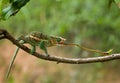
36, 39
43, 41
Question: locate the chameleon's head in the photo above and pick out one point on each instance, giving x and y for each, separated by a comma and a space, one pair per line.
61, 40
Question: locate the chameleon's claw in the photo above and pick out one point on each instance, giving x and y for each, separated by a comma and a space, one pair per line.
42, 46
33, 50
21, 37
47, 55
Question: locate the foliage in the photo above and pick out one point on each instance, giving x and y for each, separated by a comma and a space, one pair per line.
13, 7
88, 22
80, 21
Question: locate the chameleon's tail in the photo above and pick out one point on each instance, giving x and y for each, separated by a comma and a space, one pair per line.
88, 49
11, 62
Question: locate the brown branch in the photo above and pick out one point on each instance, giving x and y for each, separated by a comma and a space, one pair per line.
5, 35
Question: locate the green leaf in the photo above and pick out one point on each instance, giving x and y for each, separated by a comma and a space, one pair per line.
118, 3
2, 3
110, 3
12, 9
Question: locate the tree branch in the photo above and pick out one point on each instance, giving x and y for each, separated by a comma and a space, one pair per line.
5, 35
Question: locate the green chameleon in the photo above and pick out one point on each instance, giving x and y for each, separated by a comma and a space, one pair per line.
39, 39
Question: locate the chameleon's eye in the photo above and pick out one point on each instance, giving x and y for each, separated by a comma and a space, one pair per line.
58, 40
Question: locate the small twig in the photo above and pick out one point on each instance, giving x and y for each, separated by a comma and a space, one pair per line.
4, 34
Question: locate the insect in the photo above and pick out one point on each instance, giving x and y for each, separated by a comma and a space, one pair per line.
43, 41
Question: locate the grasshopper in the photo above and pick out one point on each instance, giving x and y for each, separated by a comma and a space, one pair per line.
39, 39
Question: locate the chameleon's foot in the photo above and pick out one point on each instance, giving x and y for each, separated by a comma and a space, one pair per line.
47, 55
33, 50
42, 46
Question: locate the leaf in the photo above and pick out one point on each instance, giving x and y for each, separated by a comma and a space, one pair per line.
12, 9
110, 3
117, 3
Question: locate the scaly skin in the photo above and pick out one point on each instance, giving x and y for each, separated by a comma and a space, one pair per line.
38, 39
41, 40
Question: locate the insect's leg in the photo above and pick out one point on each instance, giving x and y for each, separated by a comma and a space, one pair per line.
33, 49
42, 46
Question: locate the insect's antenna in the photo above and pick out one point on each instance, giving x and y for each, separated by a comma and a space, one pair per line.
87, 49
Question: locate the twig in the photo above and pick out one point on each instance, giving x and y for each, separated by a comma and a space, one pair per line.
5, 35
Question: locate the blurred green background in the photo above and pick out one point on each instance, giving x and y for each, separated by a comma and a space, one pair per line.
86, 22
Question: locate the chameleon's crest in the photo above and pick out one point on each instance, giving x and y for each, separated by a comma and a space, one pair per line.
38, 35
33, 37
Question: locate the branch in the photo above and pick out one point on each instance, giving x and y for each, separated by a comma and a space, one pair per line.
5, 35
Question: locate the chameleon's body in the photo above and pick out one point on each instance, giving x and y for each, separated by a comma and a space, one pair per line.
41, 40
38, 39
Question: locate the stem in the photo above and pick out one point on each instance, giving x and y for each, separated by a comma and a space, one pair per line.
12, 61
